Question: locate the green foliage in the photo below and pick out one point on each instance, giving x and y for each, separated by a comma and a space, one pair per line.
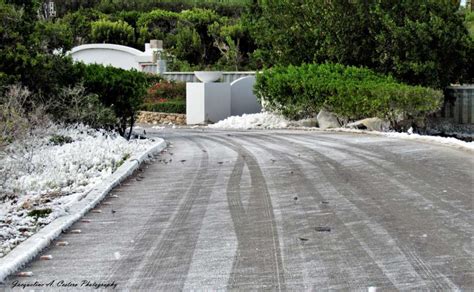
184, 27
80, 23
188, 45
121, 161
114, 32
40, 213
469, 22
157, 24
177, 65
418, 42
53, 35
122, 90
60, 140
231, 8
172, 106
200, 20
350, 92
25, 52
232, 40
423, 44
130, 17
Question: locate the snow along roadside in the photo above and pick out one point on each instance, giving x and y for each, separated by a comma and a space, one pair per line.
267, 120
30, 248
445, 141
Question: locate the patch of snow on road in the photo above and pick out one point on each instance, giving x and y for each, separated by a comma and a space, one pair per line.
453, 142
440, 140
41, 180
263, 120
266, 120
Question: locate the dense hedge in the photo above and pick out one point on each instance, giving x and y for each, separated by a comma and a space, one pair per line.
122, 90
350, 92
166, 90
166, 97
177, 106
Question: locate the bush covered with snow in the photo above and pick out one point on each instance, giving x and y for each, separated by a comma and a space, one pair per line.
49, 170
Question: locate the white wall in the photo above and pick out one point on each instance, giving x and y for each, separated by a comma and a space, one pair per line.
207, 102
243, 100
109, 54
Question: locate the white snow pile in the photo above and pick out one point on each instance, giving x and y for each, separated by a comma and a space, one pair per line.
409, 135
436, 139
267, 120
264, 120
45, 173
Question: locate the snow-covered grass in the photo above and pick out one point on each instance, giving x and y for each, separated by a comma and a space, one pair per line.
266, 120
41, 177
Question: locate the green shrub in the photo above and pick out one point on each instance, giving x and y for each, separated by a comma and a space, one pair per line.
114, 32
167, 97
40, 213
122, 90
350, 92
172, 106
60, 140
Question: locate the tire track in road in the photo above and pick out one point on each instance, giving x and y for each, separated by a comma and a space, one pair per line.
450, 231
258, 260
422, 193
164, 265
359, 187
408, 181
172, 257
414, 169
375, 240
349, 269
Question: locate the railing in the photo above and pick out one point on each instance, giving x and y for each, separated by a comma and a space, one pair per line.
227, 76
189, 76
461, 110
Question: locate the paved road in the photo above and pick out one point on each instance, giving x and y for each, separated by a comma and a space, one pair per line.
279, 210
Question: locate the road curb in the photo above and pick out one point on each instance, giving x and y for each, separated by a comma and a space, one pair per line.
30, 248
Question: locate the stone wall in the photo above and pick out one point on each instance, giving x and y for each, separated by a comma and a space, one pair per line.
161, 118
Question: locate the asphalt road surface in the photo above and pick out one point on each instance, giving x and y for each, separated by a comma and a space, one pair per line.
277, 210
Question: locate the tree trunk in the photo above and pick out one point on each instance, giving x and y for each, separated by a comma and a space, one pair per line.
132, 122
